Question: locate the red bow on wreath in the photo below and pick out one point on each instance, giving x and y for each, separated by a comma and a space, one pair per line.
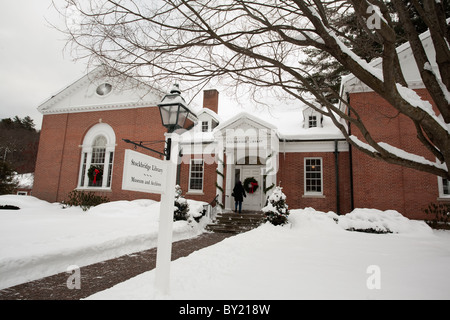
95, 175
253, 184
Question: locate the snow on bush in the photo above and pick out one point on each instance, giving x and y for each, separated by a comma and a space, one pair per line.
181, 205
276, 210
378, 221
362, 220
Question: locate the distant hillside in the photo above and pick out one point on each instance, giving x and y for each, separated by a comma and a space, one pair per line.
19, 141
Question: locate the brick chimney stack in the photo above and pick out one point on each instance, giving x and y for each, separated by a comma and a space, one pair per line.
211, 100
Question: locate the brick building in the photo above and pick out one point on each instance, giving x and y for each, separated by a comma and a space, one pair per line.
377, 184
84, 126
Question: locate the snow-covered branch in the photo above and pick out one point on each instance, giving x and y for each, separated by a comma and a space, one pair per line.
264, 45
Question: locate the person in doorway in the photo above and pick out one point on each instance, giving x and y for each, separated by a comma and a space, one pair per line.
238, 194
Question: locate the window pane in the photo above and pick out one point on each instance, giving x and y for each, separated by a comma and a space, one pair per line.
83, 170
196, 177
204, 126
445, 185
313, 175
111, 155
98, 160
312, 121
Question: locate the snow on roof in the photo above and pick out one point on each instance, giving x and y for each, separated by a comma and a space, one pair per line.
211, 113
404, 52
24, 180
287, 123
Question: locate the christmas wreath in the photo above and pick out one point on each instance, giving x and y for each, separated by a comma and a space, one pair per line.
95, 173
250, 185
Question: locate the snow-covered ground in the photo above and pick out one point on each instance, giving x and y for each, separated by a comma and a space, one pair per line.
314, 257
42, 239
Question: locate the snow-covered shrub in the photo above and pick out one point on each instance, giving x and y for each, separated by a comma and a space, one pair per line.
181, 205
276, 210
440, 215
378, 221
83, 199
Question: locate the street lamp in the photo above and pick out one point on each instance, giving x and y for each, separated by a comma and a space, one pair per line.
174, 112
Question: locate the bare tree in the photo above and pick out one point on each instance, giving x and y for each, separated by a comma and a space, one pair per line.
262, 44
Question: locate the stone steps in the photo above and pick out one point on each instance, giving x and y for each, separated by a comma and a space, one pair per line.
236, 222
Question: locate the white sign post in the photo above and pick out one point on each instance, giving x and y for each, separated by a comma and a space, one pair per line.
164, 251
147, 174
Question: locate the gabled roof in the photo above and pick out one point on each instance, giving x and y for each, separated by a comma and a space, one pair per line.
85, 95
211, 113
243, 116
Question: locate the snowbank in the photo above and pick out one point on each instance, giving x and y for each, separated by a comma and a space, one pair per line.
42, 239
364, 220
313, 257
389, 221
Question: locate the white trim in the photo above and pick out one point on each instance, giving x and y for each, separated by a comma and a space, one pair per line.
100, 129
142, 95
313, 146
312, 193
100, 107
441, 189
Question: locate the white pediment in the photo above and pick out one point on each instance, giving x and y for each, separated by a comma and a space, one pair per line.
95, 92
245, 131
245, 121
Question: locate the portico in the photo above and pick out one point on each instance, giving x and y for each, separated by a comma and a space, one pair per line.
248, 148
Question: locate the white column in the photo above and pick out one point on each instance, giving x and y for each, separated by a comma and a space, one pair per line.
220, 168
164, 249
229, 179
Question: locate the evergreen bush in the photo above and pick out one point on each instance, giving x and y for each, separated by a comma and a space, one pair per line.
440, 213
181, 206
83, 199
276, 210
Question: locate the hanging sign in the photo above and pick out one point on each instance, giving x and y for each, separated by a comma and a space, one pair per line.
143, 173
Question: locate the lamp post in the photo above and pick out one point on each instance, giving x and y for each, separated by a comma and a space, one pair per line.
174, 112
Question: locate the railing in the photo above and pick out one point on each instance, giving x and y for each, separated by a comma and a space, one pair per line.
211, 208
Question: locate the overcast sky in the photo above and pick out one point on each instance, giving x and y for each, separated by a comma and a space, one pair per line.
33, 65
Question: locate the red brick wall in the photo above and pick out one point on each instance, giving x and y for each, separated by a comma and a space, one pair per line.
291, 176
378, 184
59, 155
209, 179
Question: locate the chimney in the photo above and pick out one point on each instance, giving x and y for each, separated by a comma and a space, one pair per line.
211, 100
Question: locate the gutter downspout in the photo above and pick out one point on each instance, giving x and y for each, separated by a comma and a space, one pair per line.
336, 169
350, 154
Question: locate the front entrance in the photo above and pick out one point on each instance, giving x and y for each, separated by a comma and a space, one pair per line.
253, 201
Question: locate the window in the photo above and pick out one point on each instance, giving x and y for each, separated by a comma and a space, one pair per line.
103, 89
196, 175
98, 161
205, 127
444, 187
312, 121
313, 176
97, 157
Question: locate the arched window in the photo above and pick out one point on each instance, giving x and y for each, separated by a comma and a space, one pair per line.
97, 157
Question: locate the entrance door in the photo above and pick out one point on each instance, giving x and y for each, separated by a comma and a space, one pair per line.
253, 200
